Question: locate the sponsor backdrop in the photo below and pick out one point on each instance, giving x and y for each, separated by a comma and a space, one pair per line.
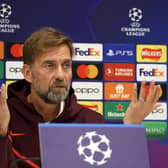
117, 43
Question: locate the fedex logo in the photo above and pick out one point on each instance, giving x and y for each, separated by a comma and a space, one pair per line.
149, 72
87, 52
153, 72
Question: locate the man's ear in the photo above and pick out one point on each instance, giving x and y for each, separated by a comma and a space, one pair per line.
26, 71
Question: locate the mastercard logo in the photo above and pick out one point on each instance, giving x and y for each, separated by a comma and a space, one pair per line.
87, 71
148, 88
16, 50
1, 50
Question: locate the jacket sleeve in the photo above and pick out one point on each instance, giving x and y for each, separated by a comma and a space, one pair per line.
7, 158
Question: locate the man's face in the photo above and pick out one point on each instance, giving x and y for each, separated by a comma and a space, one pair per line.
52, 74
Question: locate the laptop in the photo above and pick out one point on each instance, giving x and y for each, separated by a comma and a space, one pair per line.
93, 146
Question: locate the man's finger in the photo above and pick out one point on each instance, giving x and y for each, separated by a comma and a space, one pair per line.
156, 93
3, 94
134, 93
151, 92
142, 91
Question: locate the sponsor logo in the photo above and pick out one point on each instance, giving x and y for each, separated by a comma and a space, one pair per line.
91, 145
135, 29
119, 52
14, 50
5, 14
88, 90
112, 53
7, 83
156, 129
151, 53
87, 71
1, 70
1, 50
95, 106
148, 72
118, 91
159, 113
87, 52
115, 110
14, 70
163, 93
120, 72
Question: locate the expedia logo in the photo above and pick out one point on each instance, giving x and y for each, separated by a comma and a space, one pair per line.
151, 53
14, 50
14, 70
156, 72
87, 71
87, 51
88, 90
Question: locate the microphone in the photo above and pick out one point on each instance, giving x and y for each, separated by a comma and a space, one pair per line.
13, 163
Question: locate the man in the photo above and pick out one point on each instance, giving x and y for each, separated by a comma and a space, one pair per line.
45, 95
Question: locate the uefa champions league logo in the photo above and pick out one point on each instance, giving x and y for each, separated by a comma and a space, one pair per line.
5, 23
5, 10
135, 28
94, 148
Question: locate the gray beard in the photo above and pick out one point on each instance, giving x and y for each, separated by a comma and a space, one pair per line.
51, 97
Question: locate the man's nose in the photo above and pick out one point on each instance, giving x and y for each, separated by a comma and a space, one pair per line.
59, 73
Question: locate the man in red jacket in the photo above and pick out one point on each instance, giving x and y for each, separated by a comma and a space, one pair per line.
45, 95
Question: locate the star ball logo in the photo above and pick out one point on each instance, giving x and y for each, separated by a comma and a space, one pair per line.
94, 148
5, 13
135, 28
135, 14
5, 10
